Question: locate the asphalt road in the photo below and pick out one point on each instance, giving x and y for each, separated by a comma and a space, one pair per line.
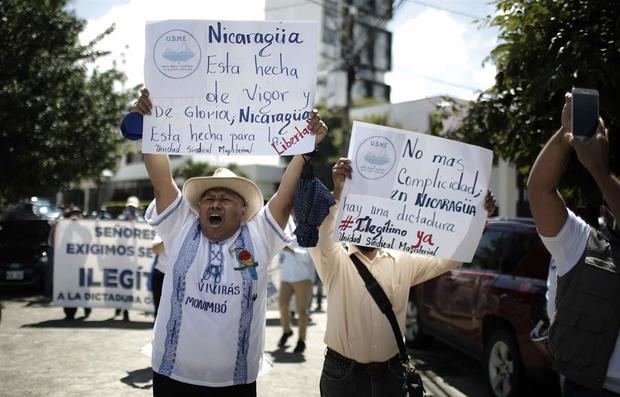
41, 354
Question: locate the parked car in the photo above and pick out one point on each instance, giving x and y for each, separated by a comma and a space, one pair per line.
488, 307
24, 231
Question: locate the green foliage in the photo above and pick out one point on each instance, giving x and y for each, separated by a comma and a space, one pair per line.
367, 101
58, 123
191, 169
546, 48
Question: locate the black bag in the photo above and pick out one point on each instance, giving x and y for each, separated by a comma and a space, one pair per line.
413, 381
413, 386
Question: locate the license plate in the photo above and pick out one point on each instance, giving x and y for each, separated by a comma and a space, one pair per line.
14, 274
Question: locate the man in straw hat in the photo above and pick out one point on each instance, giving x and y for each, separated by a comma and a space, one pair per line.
209, 331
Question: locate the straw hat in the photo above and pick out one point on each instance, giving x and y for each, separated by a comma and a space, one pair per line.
194, 189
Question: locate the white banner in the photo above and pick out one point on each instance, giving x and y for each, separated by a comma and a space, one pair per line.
414, 192
230, 87
103, 264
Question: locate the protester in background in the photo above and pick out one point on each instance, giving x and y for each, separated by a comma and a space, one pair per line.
296, 277
49, 269
72, 213
362, 356
209, 331
131, 213
584, 337
132, 210
103, 214
160, 267
319, 293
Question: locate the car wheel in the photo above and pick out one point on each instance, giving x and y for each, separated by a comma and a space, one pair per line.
414, 336
504, 365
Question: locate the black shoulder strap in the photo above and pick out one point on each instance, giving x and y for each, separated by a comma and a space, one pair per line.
382, 301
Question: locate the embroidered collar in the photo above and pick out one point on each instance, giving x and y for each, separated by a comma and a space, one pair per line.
229, 240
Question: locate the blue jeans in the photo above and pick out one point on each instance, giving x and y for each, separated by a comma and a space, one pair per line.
572, 389
340, 379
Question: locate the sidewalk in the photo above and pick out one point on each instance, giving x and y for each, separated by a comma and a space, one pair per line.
41, 354
293, 374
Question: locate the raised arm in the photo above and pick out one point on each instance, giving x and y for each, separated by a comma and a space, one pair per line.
546, 203
281, 203
157, 165
593, 154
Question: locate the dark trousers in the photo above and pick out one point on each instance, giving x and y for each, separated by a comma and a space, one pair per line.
164, 386
157, 284
343, 377
71, 311
572, 389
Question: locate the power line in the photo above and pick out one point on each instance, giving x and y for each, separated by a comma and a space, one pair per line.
303, 2
445, 82
452, 11
284, 7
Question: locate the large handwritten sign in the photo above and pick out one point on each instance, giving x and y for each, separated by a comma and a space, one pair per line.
103, 264
230, 87
414, 192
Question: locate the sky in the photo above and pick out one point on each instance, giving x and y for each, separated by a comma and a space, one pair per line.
437, 49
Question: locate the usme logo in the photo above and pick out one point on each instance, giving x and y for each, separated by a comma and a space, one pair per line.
177, 54
375, 157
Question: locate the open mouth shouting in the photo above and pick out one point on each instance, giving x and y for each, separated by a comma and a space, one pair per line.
215, 219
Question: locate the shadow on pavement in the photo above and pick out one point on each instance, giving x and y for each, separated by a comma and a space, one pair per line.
457, 371
273, 322
282, 356
38, 302
465, 373
80, 323
139, 379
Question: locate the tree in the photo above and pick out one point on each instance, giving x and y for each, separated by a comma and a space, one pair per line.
546, 47
58, 123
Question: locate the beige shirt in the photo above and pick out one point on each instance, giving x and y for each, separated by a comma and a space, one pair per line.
356, 328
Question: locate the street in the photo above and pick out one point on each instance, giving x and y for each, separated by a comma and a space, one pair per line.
44, 355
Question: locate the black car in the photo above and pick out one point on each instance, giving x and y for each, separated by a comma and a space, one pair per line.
488, 307
24, 232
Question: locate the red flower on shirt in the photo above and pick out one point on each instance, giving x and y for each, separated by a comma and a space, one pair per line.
245, 257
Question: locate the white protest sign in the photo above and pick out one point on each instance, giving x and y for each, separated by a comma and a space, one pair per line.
103, 264
414, 192
230, 87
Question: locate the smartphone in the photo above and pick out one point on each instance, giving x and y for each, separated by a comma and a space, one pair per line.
584, 113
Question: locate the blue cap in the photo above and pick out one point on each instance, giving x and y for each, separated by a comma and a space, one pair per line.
131, 126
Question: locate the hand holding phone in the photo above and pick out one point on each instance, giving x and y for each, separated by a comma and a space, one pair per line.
584, 113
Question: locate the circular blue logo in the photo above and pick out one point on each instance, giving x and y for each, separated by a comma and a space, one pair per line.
375, 157
177, 54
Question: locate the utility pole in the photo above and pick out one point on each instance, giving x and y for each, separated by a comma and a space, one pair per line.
350, 60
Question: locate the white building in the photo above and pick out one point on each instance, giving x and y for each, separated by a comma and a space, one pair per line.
370, 49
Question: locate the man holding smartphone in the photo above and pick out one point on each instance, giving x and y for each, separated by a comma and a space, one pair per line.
584, 113
584, 334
